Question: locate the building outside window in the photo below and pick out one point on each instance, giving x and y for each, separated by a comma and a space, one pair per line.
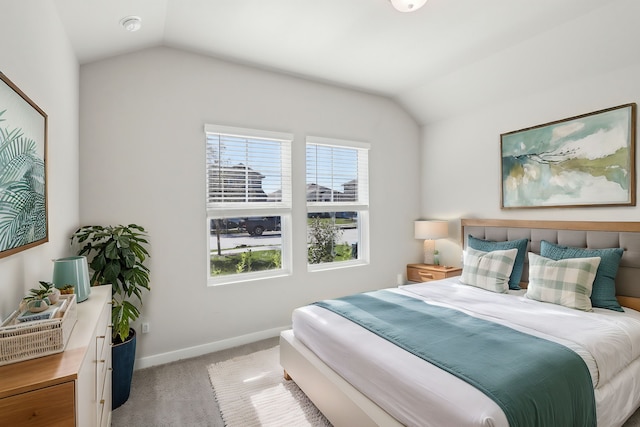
248, 203
337, 180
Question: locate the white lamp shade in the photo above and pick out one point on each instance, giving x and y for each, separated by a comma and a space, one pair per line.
408, 5
431, 230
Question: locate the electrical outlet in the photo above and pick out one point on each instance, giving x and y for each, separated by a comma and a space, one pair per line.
145, 327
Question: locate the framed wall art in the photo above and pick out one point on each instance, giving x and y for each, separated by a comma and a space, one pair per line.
587, 160
23, 171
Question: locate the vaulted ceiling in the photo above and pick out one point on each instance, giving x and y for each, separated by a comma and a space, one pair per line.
447, 58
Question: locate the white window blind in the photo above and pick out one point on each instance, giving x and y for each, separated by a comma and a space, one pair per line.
337, 174
247, 169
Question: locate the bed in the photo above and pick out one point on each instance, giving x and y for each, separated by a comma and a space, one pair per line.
375, 382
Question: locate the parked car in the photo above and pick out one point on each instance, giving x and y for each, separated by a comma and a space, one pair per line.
257, 225
318, 215
342, 215
226, 224
347, 215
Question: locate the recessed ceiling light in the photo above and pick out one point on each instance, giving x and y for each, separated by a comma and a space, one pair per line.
131, 23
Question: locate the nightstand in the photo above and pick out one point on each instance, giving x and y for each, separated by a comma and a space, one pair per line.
426, 272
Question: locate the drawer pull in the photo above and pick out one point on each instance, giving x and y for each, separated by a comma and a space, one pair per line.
101, 361
102, 336
102, 401
426, 276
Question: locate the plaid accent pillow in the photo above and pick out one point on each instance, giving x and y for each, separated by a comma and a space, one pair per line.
566, 282
603, 293
489, 245
488, 270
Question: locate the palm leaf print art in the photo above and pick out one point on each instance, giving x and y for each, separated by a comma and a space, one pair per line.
22, 189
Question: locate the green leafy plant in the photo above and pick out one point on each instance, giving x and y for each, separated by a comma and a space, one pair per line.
41, 293
67, 289
323, 237
276, 259
116, 255
245, 262
261, 260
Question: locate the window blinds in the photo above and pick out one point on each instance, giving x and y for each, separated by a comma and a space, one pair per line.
337, 173
245, 170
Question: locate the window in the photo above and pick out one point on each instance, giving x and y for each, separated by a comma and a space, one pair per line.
248, 203
337, 203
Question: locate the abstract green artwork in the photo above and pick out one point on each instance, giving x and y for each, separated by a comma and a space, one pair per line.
587, 160
23, 188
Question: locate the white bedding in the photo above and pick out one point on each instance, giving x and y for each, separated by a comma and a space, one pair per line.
418, 393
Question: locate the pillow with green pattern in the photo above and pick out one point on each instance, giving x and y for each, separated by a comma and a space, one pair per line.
488, 270
490, 245
566, 282
603, 294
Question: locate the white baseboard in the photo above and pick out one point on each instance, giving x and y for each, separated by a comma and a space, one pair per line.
199, 350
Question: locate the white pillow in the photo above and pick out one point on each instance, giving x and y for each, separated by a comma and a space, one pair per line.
566, 282
488, 270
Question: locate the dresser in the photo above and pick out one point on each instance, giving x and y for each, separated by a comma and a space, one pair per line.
72, 388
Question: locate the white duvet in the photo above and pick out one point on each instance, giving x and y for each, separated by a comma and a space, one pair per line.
419, 394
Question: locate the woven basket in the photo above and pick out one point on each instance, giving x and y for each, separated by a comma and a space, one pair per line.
28, 340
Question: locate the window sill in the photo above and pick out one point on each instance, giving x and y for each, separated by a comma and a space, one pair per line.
247, 277
335, 265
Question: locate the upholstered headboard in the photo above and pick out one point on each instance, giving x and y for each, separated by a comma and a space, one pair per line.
580, 234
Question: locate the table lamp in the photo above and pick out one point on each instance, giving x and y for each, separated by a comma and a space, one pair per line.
73, 271
430, 231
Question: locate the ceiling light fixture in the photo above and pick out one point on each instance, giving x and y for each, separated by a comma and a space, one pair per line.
407, 5
131, 23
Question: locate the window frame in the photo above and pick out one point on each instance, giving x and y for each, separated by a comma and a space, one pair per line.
361, 206
282, 208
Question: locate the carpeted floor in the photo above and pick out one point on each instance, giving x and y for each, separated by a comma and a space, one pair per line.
180, 394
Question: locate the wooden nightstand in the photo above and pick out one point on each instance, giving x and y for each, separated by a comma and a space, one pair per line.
426, 272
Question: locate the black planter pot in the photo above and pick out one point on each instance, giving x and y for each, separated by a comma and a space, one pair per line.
123, 356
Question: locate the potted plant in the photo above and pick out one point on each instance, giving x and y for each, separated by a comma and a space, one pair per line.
40, 298
116, 255
67, 289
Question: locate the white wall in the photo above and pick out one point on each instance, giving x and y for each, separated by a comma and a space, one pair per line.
142, 160
37, 57
461, 155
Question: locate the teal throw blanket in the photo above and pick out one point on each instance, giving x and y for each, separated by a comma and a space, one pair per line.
536, 382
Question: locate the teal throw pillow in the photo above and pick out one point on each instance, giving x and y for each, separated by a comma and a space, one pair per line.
603, 294
489, 245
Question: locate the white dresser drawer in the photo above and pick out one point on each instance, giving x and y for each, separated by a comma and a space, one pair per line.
103, 368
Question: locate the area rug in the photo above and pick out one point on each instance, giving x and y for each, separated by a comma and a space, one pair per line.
251, 391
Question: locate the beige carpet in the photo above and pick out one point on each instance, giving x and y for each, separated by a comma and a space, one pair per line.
251, 391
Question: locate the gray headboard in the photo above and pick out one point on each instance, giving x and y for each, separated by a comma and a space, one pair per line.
580, 234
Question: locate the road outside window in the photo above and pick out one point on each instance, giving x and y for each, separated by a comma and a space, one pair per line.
244, 245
